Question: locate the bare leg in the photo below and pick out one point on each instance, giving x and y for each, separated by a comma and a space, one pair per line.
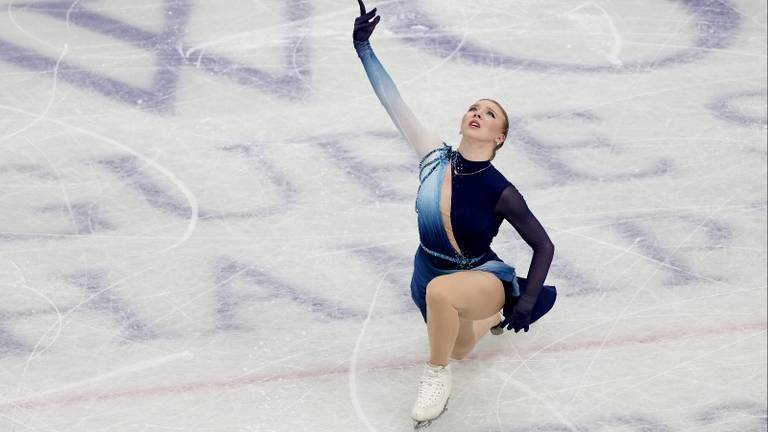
470, 333
463, 296
465, 341
442, 325
482, 327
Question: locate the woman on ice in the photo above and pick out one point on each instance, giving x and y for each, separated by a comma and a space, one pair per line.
459, 284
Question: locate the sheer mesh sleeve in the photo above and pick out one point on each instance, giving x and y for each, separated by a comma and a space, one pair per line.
406, 122
512, 205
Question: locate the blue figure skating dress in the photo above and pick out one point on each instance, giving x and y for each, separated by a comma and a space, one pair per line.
476, 201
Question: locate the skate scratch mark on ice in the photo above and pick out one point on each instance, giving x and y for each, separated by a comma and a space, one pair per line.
407, 238
139, 366
355, 353
618, 41
640, 255
560, 416
69, 13
508, 376
60, 317
44, 114
623, 314
755, 19
23, 31
188, 194
662, 46
622, 253
37, 118
35, 353
245, 40
179, 308
256, 379
428, 72
611, 102
636, 214
676, 366
193, 205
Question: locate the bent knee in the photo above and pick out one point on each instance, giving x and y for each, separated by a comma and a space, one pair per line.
438, 292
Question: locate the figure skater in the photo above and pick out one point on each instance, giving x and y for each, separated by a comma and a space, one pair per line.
459, 284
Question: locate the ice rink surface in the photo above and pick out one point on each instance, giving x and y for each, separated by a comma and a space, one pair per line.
207, 218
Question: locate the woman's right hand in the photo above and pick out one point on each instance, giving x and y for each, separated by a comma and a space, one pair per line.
363, 24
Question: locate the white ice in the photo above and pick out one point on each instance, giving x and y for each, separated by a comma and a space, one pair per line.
207, 218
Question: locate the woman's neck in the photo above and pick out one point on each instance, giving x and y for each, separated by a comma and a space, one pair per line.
474, 150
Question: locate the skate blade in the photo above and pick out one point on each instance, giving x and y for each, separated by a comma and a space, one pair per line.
497, 330
421, 425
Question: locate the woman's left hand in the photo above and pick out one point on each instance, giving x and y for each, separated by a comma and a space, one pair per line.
519, 318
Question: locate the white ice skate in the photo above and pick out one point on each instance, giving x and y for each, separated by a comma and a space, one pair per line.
434, 390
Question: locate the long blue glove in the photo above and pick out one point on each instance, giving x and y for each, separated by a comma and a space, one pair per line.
416, 135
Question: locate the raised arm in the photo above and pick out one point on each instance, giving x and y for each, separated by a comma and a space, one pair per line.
406, 122
512, 205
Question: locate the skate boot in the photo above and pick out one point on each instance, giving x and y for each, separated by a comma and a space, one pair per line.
434, 390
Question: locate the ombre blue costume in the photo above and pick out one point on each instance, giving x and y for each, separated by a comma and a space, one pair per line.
481, 198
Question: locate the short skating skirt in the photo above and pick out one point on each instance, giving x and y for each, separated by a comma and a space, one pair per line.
425, 269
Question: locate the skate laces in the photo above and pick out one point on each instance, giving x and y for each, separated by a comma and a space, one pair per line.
431, 386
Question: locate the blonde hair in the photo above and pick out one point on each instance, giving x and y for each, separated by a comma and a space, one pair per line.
506, 126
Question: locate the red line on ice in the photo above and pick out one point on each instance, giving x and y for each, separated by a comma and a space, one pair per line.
236, 383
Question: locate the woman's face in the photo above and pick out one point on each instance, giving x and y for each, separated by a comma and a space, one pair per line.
484, 121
